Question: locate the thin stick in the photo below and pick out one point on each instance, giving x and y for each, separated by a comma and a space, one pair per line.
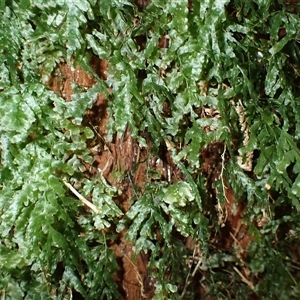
187, 280
244, 279
81, 198
138, 275
190, 276
101, 137
221, 175
292, 277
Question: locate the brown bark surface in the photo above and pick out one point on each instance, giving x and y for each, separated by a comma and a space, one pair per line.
124, 163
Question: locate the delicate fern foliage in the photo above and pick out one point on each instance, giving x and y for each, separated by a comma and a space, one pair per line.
215, 84
44, 247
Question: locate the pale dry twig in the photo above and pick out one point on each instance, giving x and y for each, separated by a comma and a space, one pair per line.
81, 198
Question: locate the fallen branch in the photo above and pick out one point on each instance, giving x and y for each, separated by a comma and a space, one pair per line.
81, 198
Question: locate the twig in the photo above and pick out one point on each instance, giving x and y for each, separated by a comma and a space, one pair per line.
247, 166
101, 137
221, 175
292, 277
191, 274
81, 198
138, 275
197, 267
106, 165
244, 279
222, 217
